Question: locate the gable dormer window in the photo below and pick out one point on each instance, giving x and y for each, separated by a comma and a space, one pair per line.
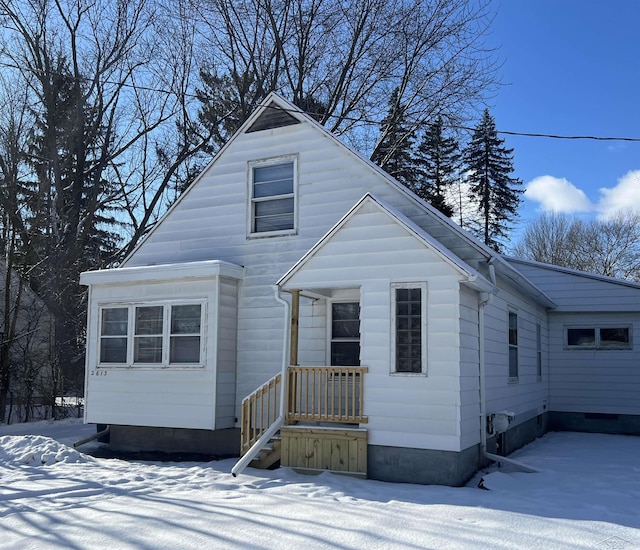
273, 197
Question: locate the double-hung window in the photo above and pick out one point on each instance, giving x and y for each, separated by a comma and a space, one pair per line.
273, 197
345, 334
410, 329
152, 335
539, 351
513, 346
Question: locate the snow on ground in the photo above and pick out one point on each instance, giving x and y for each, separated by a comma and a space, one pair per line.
586, 496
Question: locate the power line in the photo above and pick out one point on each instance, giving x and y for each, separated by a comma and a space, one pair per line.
364, 120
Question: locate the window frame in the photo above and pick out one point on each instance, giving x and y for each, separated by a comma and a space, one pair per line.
597, 345
423, 328
166, 335
333, 339
252, 201
539, 350
510, 346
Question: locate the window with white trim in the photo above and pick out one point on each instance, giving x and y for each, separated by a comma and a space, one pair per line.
273, 196
409, 335
539, 351
598, 337
152, 335
513, 346
345, 334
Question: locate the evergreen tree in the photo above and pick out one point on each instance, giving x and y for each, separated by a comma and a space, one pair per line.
393, 153
489, 164
438, 157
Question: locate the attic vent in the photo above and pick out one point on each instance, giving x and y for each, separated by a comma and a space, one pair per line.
272, 117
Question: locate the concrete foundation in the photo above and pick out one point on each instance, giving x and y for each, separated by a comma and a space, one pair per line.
518, 436
219, 443
423, 466
624, 424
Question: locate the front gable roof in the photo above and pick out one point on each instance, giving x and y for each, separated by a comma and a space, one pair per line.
470, 275
444, 231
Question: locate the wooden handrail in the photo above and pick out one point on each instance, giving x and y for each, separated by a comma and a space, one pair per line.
326, 394
259, 412
314, 394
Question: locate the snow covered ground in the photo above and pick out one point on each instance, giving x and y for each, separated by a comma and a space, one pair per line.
51, 496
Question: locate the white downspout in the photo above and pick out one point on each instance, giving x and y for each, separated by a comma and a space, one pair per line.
277, 424
485, 298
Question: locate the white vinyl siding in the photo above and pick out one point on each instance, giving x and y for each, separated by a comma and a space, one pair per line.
528, 397
593, 380
179, 395
405, 411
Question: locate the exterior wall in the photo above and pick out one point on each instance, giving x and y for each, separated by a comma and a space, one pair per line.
581, 292
529, 395
469, 369
209, 222
590, 381
404, 410
163, 397
594, 381
225, 363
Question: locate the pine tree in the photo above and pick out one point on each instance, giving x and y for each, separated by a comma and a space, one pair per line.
438, 157
393, 153
489, 164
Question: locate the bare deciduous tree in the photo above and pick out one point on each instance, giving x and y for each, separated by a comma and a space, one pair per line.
608, 247
342, 60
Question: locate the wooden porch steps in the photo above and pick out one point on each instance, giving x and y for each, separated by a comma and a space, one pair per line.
269, 455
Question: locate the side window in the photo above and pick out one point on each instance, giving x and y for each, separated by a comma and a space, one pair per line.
345, 334
147, 340
539, 351
273, 197
184, 343
114, 328
601, 338
513, 346
409, 333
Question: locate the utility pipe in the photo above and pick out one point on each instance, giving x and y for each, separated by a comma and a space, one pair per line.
278, 423
92, 437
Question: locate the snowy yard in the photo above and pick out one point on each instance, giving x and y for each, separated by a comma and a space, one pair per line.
586, 496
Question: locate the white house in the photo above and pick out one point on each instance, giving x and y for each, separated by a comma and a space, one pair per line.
297, 288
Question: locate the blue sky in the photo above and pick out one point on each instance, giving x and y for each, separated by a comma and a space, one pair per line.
571, 67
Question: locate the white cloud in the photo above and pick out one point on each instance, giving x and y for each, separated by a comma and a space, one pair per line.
558, 195
624, 196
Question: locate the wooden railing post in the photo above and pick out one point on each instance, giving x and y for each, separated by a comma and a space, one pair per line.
326, 394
